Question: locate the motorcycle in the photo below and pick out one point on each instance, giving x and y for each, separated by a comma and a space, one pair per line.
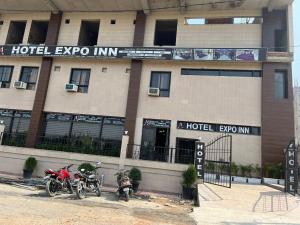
58, 181
124, 184
88, 181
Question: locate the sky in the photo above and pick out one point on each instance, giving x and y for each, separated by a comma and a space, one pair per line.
296, 63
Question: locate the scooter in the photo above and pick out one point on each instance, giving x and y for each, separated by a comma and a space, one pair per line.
88, 181
58, 181
124, 185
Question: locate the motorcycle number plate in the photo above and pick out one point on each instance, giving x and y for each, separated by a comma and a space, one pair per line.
126, 189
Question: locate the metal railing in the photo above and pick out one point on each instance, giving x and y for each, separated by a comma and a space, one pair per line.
85, 145
14, 139
162, 154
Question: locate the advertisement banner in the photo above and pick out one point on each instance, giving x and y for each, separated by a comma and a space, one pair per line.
188, 54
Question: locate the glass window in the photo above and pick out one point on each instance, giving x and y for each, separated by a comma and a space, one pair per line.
29, 75
230, 73
194, 21
5, 76
81, 77
281, 85
161, 80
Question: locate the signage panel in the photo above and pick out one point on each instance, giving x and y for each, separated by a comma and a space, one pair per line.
199, 158
291, 178
189, 54
222, 128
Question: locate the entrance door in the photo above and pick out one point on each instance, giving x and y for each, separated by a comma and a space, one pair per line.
185, 150
155, 140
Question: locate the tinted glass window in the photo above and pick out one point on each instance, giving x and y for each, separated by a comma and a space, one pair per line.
280, 84
5, 76
29, 75
161, 80
81, 78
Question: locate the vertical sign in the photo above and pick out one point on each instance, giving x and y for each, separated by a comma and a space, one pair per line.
291, 178
199, 158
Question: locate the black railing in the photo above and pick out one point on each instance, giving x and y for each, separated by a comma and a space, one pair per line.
14, 139
152, 153
218, 157
84, 144
162, 154
185, 156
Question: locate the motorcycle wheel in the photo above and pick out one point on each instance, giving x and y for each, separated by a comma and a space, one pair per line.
80, 191
51, 188
69, 186
98, 190
126, 193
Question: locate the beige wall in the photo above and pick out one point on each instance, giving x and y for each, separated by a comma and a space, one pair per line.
12, 98
21, 17
119, 34
224, 100
107, 93
156, 176
212, 36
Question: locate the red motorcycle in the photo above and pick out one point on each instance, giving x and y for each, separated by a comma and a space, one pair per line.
58, 181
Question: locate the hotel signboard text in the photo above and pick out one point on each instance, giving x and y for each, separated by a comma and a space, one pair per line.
189, 54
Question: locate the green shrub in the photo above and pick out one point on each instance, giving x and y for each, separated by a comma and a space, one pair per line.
257, 170
210, 167
189, 176
249, 169
274, 170
243, 170
30, 163
234, 169
87, 167
135, 174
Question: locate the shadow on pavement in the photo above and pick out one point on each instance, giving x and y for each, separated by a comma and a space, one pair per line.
274, 201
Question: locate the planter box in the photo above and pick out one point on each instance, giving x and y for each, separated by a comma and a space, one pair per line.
281, 181
270, 180
254, 180
237, 179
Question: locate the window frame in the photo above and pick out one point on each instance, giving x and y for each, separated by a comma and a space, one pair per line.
285, 84
160, 89
81, 88
10, 76
30, 85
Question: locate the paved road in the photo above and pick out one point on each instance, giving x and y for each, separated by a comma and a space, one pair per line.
23, 207
246, 205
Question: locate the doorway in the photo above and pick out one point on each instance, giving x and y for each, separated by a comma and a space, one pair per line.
155, 140
185, 150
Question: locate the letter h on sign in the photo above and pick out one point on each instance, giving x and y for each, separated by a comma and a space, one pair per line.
199, 158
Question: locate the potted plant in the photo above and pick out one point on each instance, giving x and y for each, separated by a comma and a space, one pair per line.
29, 166
136, 176
189, 179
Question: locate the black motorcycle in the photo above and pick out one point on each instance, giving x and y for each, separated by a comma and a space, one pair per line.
124, 184
88, 181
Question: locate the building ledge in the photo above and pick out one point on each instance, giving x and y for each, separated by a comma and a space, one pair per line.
285, 57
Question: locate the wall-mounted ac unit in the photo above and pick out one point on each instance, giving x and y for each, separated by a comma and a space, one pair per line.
20, 85
71, 87
153, 91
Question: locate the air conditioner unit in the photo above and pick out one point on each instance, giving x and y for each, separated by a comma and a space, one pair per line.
71, 87
20, 85
153, 91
